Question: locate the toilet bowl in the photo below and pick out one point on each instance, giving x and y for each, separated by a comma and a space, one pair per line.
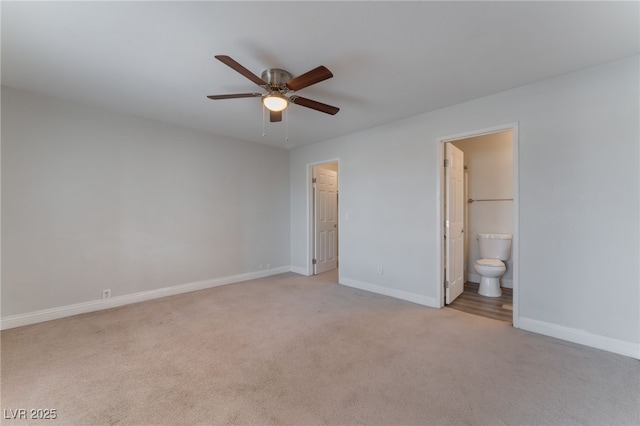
494, 248
490, 271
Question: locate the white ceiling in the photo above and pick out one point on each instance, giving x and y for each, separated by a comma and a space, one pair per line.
390, 60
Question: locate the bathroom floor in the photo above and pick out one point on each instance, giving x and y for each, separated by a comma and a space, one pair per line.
500, 308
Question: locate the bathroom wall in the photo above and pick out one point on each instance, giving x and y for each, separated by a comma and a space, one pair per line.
489, 162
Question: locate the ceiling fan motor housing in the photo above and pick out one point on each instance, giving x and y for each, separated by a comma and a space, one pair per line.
276, 78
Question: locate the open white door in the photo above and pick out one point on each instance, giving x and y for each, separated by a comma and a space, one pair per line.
325, 190
454, 222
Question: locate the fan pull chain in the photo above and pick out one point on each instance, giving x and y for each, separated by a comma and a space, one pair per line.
264, 133
286, 124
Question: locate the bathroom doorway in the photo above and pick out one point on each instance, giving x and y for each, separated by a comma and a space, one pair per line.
488, 201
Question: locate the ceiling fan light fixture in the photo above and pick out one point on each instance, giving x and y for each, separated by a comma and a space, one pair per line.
275, 102
279, 83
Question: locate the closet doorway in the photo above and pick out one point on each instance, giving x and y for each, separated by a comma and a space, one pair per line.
324, 222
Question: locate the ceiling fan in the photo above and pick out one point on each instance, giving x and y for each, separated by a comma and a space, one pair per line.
280, 85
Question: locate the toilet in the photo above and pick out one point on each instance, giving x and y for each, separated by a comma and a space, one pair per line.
494, 248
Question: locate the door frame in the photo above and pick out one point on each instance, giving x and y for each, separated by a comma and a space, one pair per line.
440, 213
310, 213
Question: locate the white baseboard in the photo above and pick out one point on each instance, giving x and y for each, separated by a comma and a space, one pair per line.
299, 270
392, 292
473, 278
621, 347
504, 282
19, 320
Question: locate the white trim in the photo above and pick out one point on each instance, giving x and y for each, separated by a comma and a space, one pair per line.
19, 320
473, 278
514, 127
621, 347
299, 270
504, 282
391, 292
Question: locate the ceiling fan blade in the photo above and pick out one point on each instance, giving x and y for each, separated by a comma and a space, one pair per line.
234, 96
242, 70
318, 106
275, 116
314, 76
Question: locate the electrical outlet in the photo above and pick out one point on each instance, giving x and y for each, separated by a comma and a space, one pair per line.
268, 266
379, 270
106, 293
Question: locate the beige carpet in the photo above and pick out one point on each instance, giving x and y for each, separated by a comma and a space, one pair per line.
296, 350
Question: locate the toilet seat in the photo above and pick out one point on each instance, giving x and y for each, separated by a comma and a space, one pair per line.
495, 263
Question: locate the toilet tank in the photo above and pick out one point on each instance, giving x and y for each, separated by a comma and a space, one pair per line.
495, 246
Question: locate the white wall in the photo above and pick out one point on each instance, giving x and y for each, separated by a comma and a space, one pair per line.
578, 202
489, 162
92, 200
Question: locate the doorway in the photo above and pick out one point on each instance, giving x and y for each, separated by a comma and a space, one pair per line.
485, 202
324, 229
